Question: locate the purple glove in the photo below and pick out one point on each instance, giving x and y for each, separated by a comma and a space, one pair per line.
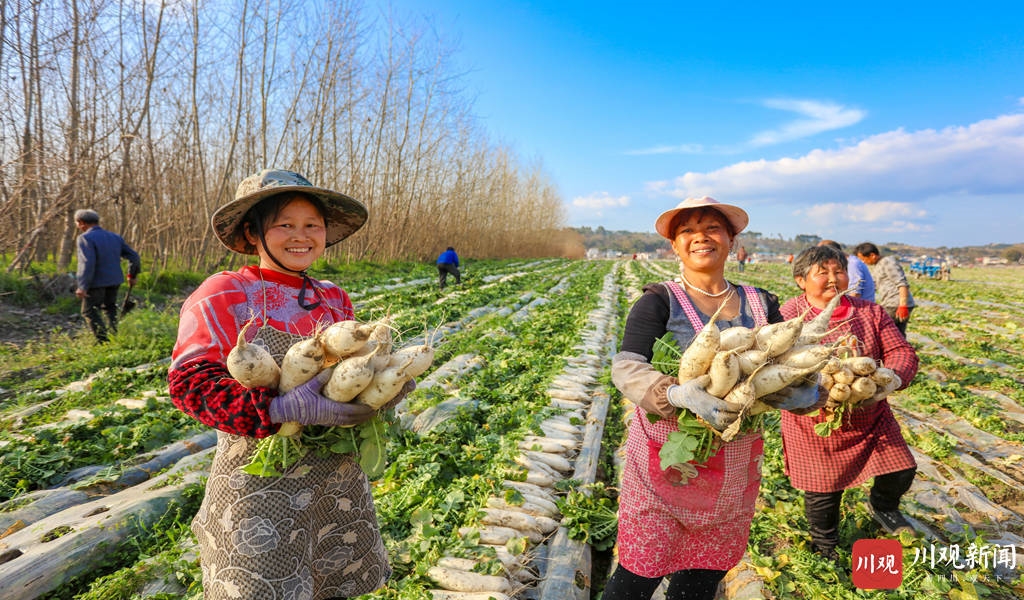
306, 406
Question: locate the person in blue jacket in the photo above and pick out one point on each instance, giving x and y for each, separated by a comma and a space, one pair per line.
448, 263
99, 271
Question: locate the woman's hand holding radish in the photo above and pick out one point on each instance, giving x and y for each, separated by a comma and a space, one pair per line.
797, 399
692, 396
307, 406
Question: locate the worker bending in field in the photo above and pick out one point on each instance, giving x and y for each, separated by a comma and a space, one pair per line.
448, 264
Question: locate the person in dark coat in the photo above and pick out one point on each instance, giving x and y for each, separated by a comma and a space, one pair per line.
99, 272
448, 264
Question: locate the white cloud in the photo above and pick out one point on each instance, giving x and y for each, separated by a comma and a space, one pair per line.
981, 158
867, 212
819, 117
666, 149
939, 186
600, 200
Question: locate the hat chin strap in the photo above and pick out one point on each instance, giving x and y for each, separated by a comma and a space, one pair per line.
307, 283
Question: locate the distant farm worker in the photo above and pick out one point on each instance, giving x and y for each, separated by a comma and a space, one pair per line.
862, 285
313, 532
689, 530
869, 443
892, 291
99, 272
448, 263
741, 257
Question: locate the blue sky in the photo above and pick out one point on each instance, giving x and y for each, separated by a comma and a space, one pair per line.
856, 122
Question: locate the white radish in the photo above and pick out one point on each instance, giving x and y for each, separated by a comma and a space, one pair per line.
510, 518
831, 366
804, 356
385, 386
812, 331
301, 363
345, 338
543, 444
554, 461
773, 377
724, 372
776, 338
251, 364
751, 360
861, 389
737, 338
844, 375
525, 488
883, 376
541, 479
422, 355
839, 392
351, 376
498, 535
697, 357
468, 581
860, 365
453, 595
533, 508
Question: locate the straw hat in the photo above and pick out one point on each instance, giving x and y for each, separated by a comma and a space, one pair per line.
344, 215
737, 216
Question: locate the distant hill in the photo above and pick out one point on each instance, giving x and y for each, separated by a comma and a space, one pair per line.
629, 242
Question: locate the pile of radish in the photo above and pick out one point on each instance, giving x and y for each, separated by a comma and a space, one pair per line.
850, 382
355, 362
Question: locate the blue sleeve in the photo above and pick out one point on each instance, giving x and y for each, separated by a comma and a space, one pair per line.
86, 263
134, 262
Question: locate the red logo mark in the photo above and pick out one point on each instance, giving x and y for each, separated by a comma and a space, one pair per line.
877, 564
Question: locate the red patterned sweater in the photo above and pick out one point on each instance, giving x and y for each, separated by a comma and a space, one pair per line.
211, 319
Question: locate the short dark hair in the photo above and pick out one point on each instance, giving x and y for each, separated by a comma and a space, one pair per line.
831, 244
866, 249
817, 255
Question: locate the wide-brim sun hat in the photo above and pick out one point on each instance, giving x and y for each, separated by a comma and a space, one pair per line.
737, 217
344, 214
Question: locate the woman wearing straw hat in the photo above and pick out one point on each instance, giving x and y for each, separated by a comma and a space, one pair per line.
692, 531
313, 532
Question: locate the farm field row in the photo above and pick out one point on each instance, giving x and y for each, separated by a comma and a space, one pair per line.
517, 405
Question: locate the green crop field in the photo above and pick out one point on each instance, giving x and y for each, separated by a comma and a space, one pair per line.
100, 475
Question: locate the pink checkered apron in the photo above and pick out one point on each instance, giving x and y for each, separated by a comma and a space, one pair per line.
665, 526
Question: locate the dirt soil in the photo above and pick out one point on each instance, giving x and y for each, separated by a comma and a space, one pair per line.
19, 325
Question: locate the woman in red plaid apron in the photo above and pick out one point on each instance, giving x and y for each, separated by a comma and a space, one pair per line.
691, 530
869, 443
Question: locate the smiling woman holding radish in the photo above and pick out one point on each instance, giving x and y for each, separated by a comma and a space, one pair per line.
868, 443
691, 530
311, 533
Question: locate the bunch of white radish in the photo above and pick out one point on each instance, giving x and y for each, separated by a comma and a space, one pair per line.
363, 367
744, 366
851, 381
